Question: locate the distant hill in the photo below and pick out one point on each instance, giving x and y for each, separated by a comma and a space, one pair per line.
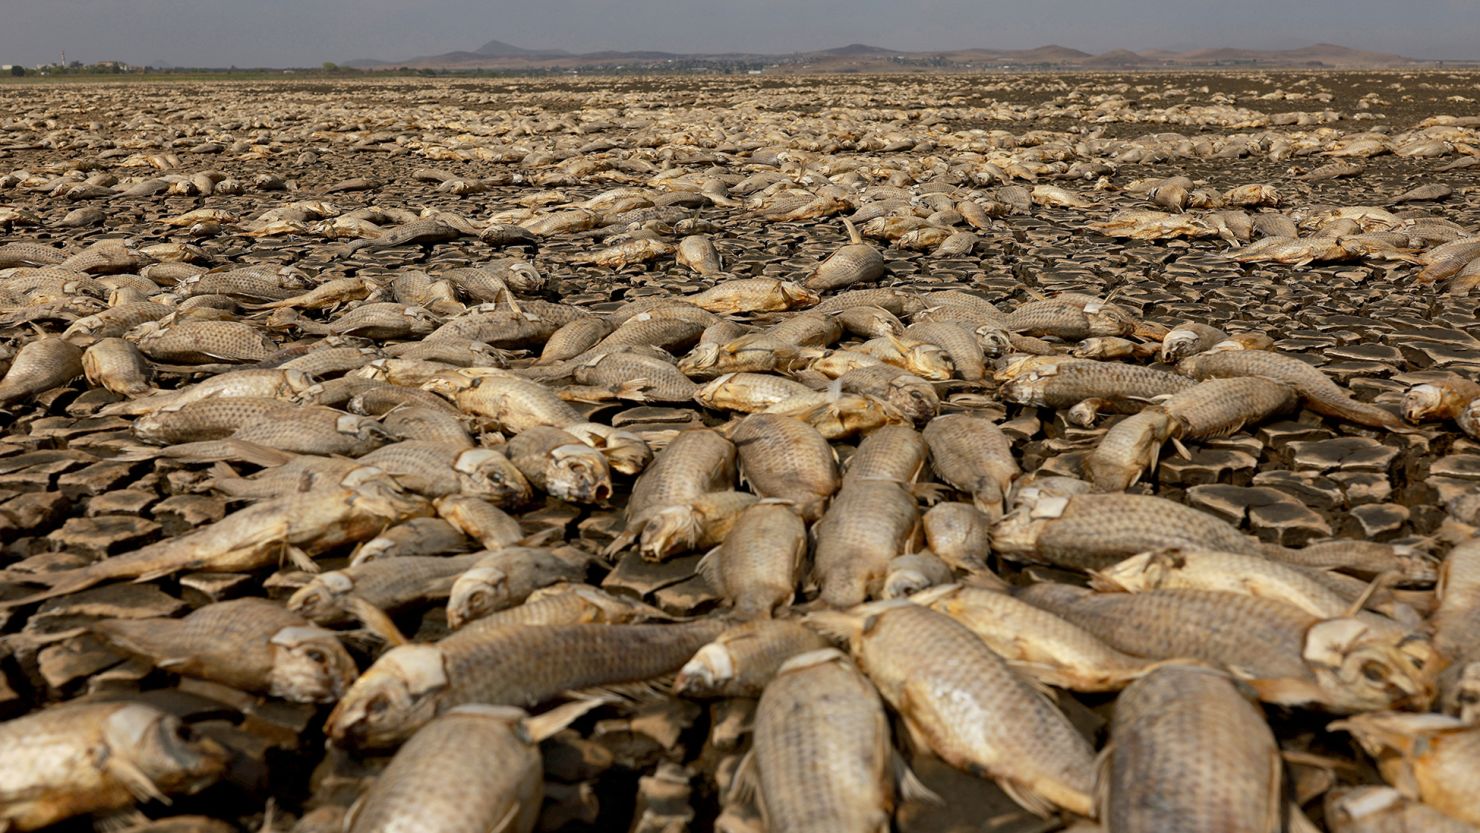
859, 57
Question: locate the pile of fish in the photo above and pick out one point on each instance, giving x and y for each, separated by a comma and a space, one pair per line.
734, 455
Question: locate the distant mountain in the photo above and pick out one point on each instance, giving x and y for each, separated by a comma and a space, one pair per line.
499, 49
862, 57
855, 49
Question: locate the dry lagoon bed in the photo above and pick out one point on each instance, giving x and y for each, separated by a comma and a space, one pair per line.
1139, 412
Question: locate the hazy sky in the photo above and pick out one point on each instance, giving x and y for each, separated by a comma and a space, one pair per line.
309, 32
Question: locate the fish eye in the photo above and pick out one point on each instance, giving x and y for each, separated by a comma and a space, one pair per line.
316, 655
183, 733
377, 706
1373, 672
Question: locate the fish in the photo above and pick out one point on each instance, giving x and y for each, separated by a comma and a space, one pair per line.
758, 565
962, 701
853, 263
975, 456
252, 644
1287, 655
742, 661
1426, 757
362, 504
510, 665
76, 758
1189, 751
868, 524
1317, 391
500, 579
822, 748
782, 457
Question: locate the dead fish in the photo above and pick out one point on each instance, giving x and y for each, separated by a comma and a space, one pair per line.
504, 665
76, 758
855, 262
1319, 393
117, 365
295, 526
759, 563
785, 458
476, 767
869, 523
822, 748
1286, 654
505, 577
560, 465
966, 705
973, 455
251, 644
38, 366
741, 661
1427, 757
1188, 750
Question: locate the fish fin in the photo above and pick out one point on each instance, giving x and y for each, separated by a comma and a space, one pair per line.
1027, 798
624, 540
910, 787
854, 238
642, 691
133, 779
545, 724
1286, 691
708, 568
1273, 822
1380, 582
1299, 822
62, 583
837, 626
1181, 449
745, 783
1033, 673
507, 822
171, 662
300, 559
114, 822
1103, 762
376, 620
633, 390
543, 537
1104, 584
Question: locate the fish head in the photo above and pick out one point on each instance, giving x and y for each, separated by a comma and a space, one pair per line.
669, 530
296, 383
396, 696
487, 472
1422, 402
1024, 390
708, 673
913, 397
1139, 573
929, 362
1360, 669
578, 473
477, 593
1108, 320
904, 583
994, 340
322, 597
419, 320
624, 451
702, 358
797, 295
1178, 345
146, 742
309, 665
523, 277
